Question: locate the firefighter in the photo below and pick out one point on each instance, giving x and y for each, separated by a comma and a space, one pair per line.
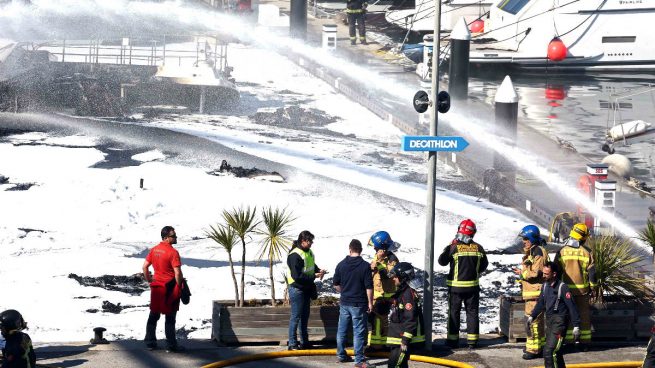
356, 10
531, 279
649, 359
467, 261
383, 286
556, 302
579, 274
18, 351
405, 317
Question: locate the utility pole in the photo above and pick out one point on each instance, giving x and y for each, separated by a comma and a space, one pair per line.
428, 282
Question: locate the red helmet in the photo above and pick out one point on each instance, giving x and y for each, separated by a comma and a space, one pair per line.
467, 227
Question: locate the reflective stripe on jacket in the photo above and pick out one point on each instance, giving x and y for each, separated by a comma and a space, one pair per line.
532, 272
383, 286
577, 268
405, 317
467, 262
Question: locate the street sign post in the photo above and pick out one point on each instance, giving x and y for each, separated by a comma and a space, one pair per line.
434, 144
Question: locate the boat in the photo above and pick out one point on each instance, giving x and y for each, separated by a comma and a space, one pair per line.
597, 35
418, 15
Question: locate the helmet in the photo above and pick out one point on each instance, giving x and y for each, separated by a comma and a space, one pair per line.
11, 320
531, 232
403, 270
466, 231
579, 232
381, 240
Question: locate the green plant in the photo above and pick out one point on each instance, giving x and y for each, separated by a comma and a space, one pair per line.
275, 240
616, 274
242, 221
647, 235
226, 237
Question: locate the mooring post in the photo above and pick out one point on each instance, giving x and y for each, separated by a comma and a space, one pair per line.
458, 71
298, 19
506, 125
201, 108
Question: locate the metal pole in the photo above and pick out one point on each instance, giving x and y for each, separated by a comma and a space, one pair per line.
428, 282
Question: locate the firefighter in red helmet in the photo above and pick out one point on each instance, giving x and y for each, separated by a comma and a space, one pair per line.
467, 261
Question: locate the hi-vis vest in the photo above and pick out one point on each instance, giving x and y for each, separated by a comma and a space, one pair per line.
531, 272
308, 259
577, 265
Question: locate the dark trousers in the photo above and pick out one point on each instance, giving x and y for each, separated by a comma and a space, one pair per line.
169, 328
471, 302
357, 18
398, 359
555, 334
649, 361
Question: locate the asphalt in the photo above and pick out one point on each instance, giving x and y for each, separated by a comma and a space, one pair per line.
494, 352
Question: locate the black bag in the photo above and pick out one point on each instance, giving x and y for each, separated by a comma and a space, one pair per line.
186, 293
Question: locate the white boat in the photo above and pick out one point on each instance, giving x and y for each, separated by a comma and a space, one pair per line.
419, 15
628, 129
600, 35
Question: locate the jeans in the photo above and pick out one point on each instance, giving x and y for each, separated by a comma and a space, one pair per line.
359, 318
169, 328
299, 315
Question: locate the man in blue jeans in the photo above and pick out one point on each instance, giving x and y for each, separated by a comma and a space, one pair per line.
353, 279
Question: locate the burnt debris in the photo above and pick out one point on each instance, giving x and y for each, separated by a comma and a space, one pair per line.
133, 285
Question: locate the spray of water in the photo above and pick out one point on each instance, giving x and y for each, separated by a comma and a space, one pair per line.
163, 16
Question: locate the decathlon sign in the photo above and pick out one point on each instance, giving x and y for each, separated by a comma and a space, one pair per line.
427, 143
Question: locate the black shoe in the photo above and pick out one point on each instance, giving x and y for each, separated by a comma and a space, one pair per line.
306, 346
352, 43
151, 346
347, 359
175, 349
529, 356
363, 42
453, 344
472, 346
294, 347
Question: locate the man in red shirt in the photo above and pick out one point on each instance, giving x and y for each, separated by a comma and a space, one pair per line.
165, 288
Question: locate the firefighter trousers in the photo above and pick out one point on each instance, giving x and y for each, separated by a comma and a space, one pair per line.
582, 304
555, 331
536, 342
649, 360
471, 302
398, 358
377, 335
359, 20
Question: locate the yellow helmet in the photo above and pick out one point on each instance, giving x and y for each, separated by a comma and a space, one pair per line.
579, 232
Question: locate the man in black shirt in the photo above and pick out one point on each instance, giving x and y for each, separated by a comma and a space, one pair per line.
555, 299
354, 281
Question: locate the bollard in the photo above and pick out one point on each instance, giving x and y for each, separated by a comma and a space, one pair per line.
605, 198
458, 70
426, 71
97, 338
298, 19
506, 125
141, 183
201, 107
329, 36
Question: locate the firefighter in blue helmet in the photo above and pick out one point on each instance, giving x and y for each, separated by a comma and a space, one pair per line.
18, 351
405, 316
383, 286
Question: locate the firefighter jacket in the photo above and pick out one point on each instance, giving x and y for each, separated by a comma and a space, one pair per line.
531, 277
383, 286
18, 351
467, 262
356, 6
405, 317
556, 299
577, 267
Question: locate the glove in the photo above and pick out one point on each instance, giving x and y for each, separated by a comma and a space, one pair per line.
576, 334
403, 347
529, 320
528, 325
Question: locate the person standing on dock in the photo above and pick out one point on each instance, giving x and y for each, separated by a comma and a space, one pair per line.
467, 261
579, 274
531, 279
356, 10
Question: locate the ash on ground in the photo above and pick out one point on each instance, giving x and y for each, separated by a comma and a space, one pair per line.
133, 285
242, 172
293, 117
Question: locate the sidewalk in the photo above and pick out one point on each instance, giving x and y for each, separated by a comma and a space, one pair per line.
130, 353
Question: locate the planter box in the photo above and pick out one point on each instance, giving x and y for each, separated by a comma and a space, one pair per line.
612, 321
268, 324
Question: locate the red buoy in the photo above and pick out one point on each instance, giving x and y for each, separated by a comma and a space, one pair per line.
556, 50
555, 92
477, 26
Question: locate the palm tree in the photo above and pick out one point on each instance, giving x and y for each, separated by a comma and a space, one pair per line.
242, 221
226, 237
647, 235
275, 240
616, 263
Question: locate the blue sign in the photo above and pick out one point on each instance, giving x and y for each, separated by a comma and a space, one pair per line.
428, 143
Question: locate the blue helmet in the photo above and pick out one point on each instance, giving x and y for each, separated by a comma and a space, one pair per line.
381, 240
531, 232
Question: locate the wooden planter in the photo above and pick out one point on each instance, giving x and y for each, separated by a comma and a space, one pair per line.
268, 324
612, 321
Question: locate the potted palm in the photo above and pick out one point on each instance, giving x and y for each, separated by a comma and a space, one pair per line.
242, 221
275, 240
227, 238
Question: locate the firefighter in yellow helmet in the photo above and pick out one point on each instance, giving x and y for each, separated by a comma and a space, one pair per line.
579, 274
531, 279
